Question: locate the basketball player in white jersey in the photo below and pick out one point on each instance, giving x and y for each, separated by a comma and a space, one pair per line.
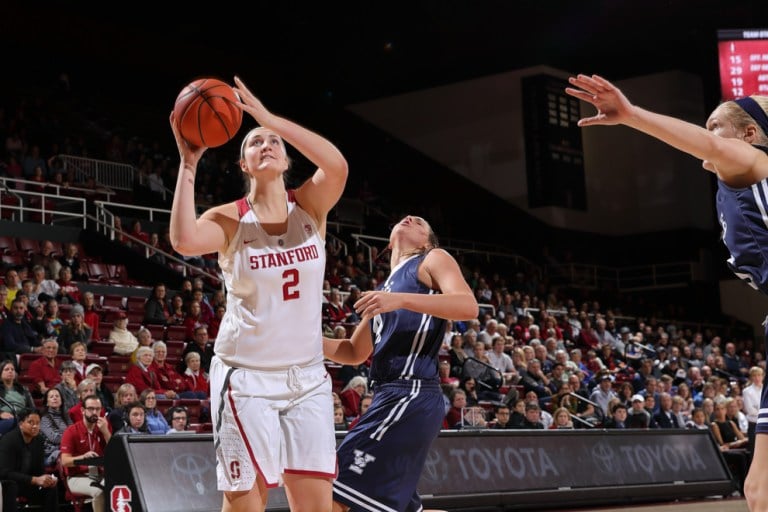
271, 399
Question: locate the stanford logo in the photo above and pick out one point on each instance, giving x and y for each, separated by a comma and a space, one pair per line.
120, 499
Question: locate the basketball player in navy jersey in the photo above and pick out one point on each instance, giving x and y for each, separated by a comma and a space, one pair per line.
734, 146
271, 402
382, 457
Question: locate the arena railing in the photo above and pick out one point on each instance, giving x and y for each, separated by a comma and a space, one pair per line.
51, 209
110, 174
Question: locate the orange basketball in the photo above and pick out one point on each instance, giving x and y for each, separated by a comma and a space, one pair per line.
206, 113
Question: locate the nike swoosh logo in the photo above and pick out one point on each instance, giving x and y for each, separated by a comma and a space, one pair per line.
246, 242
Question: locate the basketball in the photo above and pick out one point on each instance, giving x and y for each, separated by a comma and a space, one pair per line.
206, 113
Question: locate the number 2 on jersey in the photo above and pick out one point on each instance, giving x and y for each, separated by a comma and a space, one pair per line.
291, 277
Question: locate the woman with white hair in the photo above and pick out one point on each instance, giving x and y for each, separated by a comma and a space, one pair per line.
351, 395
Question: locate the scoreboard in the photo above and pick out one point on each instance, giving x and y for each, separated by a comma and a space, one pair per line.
743, 58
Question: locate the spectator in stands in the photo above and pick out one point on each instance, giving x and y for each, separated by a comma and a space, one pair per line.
202, 345
86, 440
67, 386
124, 340
53, 422
78, 352
85, 388
365, 403
561, 419
125, 395
138, 233
171, 381
177, 418
13, 283
733, 411
698, 419
732, 442
197, 381
444, 371
155, 421
178, 311
677, 409
335, 311
193, 319
142, 374
532, 418
44, 371
153, 253
95, 373
751, 395
44, 288
144, 337
206, 311
91, 314
351, 394
457, 354
69, 292
502, 362
136, 423
157, 309
75, 330
618, 417
17, 334
666, 418
215, 323
503, 418
16, 397
637, 416
45, 258
21, 466
453, 417
71, 259
339, 421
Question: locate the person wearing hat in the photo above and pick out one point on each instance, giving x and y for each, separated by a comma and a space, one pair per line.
95, 373
603, 392
637, 416
68, 385
124, 340
75, 329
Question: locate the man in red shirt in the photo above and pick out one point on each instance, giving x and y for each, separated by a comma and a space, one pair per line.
85, 440
44, 370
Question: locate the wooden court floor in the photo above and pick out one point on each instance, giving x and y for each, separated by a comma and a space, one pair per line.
707, 505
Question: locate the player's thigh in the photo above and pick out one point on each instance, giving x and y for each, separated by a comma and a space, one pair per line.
308, 493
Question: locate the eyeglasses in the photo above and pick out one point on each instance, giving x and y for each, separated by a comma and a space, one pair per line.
179, 418
151, 398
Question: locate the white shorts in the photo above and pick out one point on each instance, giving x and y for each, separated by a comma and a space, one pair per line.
270, 423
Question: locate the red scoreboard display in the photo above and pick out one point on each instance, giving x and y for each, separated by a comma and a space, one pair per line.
743, 56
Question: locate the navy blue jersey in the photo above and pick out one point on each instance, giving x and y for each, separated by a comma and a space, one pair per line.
743, 216
406, 343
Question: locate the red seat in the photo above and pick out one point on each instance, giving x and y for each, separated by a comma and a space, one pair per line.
15, 260
27, 245
112, 302
135, 303
119, 365
175, 333
76, 500
157, 331
113, 382
175, 348
102, 348
7, 244
201, 428
97, 272
163, 404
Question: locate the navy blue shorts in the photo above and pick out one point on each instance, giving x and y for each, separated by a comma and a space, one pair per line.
382, 457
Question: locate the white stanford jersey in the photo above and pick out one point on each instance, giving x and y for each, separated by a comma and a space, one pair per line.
273, 317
